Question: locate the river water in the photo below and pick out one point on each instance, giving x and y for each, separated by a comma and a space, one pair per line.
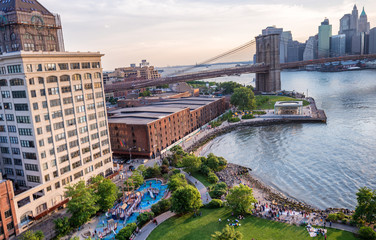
320, 164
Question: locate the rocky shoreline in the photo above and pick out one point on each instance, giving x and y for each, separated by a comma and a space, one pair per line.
235, 174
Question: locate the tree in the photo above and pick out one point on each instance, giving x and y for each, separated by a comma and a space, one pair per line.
177, 155
229, 87
367, 233
191, 163
215, 163
176, 181
31, 235
126, 233
152, 172
143, 218
240, 199
107, 193
366, 208
62, 226
228, 233
218, 190
160, 207
243, 98
185, 199
212, 178
82, 204
135, 181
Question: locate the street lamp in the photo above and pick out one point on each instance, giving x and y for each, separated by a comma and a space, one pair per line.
130, 154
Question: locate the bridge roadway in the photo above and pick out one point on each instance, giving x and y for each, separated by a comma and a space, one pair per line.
257, 68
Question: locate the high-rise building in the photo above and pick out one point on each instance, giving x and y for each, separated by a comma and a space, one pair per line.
285, 39
358, 43
372, 41
28, 26
363, 24
338, 45
325, 32
310, 50
53, 120
354, 19
8, 220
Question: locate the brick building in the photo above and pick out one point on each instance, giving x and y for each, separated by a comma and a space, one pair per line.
8, 219
146, 131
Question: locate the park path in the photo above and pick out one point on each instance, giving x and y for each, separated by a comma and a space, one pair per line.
205, 197
148, 228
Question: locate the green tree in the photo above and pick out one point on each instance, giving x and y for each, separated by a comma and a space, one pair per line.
62, 227
31, 235
243, 98
185, 199
366, 208
152, 172
212, 178
229, 87
82, 204
134, 181
160, 207
126, 233
106, 192
240, 199
215, 163
228, 233
367, 233
191, 163
176, 181
143, 218
177, 155
218, 190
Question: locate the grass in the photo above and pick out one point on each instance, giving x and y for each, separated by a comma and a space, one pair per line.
274, 99
202, 178
200, 228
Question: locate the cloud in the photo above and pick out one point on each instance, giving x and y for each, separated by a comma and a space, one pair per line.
173, 32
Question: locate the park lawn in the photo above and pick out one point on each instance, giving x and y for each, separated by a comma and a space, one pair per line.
202, 178
273, 99
200, 228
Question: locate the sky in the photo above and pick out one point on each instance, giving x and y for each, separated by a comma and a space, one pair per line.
183, 32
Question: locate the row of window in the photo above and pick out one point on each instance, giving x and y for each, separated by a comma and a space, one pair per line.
62, 66
10, 118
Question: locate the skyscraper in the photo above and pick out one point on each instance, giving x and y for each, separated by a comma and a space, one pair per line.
310, 51
28, 26
363, 24
372, 41
285, 39
354, 19
325, 32
338, 45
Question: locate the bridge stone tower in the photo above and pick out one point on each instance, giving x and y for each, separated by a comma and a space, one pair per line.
267, 52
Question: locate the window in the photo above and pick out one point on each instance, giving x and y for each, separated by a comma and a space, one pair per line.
44, 104
13, 140
10, 226
45, 166
17, 162
3, 139
66, 89
31, 81
93, 126
12, 128
94, 136
55, 102
63, 66
46, 117
50, 67
27, 144
5, 94
85, 65
84, 139
88, 86
34, 179
75, 66
91, 106
71, 122
33, 93
69, 111
16, 151
7, 106
48, 128
83, 129
78, 174
19, 94
97, 85
68, 100
39, 131
14, 69
31, 167
64, 78
19, 172
85, 150
25, 132
35, 106
41, 143
23, 119
89, 96
2, 128
104, 133
95, 65
4, 150
80, 109
1, 115
47, 177
87, 159
53, 91
43, 92
97, 75
72, 133
40, 80
98, 95
77, 87
60, 137
16, 82
9, 117
76, 164
92, 116
28, 155
64, 170
79, 98
57, 114
9, 171
39, 68
7, 161
87, 76
51, 79
58, 125
3, 82
82, 119
29, 67
21, 107
75, 154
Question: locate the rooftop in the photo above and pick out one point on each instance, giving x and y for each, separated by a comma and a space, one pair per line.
289, 104
23, 6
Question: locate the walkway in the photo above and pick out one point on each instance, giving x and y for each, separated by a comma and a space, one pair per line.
205, 197
148, 228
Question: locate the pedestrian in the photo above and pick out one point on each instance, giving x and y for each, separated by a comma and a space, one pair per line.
325, 236
330, 224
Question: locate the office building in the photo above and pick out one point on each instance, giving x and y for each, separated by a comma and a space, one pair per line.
285, 39
372, 41
338, 45
8, 220
325, 32
28, 26
358, 43
147, 131
363, 24
310, 50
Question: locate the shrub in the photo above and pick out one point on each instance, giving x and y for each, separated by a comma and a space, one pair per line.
205, 170
234, 119
218, 190
165, 162
332, 217
143, 218
340, 215
212, 178
152, 172
126, 233
367, 233
176, 171
161, 207
259, 112
164, 169
248, 116
215, 203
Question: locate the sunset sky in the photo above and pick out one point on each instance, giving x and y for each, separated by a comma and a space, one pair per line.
180, 32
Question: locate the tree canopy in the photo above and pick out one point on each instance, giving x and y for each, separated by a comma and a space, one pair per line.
240, 199
82, 204
243, 98
106, 192
215, 163
366, 208
228, 233
185, 199
176, 181
31, 235
191, 163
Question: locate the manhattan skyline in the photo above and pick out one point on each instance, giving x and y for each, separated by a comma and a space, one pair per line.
185, 32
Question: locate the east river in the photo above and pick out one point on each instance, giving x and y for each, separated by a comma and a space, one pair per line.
320, 164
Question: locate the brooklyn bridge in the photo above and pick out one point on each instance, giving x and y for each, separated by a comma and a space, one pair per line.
267, 67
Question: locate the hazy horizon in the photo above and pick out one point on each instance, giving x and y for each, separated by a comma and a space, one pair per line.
183, 32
